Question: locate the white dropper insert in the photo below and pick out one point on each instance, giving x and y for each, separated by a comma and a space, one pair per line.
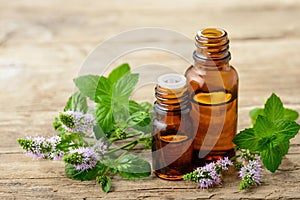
172, 81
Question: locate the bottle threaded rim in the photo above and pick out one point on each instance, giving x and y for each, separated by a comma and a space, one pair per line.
212, 46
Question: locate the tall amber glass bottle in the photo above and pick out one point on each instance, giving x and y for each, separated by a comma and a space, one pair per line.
172, 128
213, 88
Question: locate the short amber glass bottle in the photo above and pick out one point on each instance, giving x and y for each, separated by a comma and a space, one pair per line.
213, 88
172, 135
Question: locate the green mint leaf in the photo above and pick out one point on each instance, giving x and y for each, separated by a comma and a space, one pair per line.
284, 147
274, 108
77, 102
104, 115
254, 113
87, 85
271, 158
103, 90
287, 129
147, 107
290, 114
263, 127
113, 102
99, 132
273, 127
120, 96
118, 72
105, 182
140, 118
106, 185
265, 142
273, 133
134, 107
124, 87
82, 175
131, 167
246, 139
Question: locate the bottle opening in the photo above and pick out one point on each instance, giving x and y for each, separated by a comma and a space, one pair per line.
211, 33
172, 81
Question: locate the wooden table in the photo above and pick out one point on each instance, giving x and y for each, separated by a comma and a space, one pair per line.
42, 46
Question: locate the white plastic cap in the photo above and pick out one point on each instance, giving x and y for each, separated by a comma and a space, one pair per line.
172, 81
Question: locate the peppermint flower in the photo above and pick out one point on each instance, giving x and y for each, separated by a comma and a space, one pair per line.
250, 173
100, 147
83, 158
40, 147
77, 122
224, 163
210, 174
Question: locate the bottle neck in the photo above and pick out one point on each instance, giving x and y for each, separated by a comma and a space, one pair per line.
212, 48
171, 100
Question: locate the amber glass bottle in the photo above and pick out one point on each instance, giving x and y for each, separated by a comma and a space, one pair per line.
172, 135
213, 89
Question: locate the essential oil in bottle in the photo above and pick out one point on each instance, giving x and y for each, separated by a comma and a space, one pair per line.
213, 89
172, 134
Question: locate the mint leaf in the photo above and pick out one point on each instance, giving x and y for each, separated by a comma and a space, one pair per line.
134, 107
99, 132
273, 127
284, 147
271, 158
274, 108
140, 118
82, 175
124, 87
143, 106
147, 107
106, 184
290, 114
104, 115
77, 102
118, 72
246, 139
273, 134
287, 129
103, 89
131, 167
87, 85
263, 127
120, 96
254, 113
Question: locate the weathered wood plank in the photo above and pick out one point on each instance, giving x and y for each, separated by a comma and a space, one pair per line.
99, 19
282, 73
275, 53
57, 186
18, 165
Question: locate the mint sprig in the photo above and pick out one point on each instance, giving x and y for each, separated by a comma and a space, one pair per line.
87, 135
273, 127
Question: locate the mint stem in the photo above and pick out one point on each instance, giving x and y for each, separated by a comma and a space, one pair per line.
132, 143
128, 135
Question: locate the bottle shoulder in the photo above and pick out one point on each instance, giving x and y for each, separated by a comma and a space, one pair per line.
205, 71
201, 79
